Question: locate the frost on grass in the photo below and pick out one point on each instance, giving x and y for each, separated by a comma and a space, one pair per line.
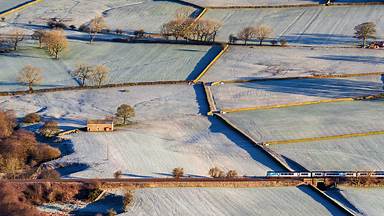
319, 120
127, 63
363, 201
305, 26
168, 132
229, 201
266, 93
246, 63
359, 153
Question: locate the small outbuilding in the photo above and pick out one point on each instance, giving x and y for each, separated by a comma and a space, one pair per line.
100, 125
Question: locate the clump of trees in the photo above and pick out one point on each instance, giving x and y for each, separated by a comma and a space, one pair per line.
365, 31
50, 129
178, 172
189, 29
19, 149
97, 74
125, 112
95, 26
216, 172
32, 118
30, 75
259, 33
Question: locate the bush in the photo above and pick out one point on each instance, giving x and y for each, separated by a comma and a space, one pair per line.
232, 174
47, 153
111, 212
216, 172
32, 118
50, 129
178, 172
128, 199
49, 174
117, 174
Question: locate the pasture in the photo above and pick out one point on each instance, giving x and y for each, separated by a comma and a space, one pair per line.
279, 92
310, 121
244, 63
127, 63
315, 26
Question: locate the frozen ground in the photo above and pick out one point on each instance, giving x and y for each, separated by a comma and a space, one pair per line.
265, 2
307, 26
228, 201
266, 93
358, 153
127, 63
7, 4
249, 63
126, 14
168, 132
363, 201
310, 121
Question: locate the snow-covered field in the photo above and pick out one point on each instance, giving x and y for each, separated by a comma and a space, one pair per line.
127, 63
169, 132
358, 153
310, 121
266, 93
220, 3
249, 63
363, 201
228, 201
125, 14
307, 26
7, 4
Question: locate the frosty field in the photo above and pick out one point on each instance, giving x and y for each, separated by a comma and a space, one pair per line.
168, 132
127, 63
310, 121
358, 153
306, 26
363, 201
8, 4
249, 63
227, 201
277, 92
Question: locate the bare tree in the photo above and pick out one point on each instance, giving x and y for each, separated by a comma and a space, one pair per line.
30, 76
55, 42
96, 25
178, 172
82, 73
175, 28
128, 199
38, 35
232, 174
246, 34
262, 32
216, 172
364, 31
125, 111
15, 37
99, 74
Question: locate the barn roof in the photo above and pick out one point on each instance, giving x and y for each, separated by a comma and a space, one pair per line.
99, 121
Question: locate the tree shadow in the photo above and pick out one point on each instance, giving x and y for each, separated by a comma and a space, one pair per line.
362, 59
320, 39
332, 209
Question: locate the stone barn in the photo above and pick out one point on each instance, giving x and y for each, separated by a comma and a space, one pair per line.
99, 125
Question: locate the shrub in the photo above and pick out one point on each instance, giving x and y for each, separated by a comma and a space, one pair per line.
32, 118
216, 172
232, 174
178, 172
111, 212
128, 199
50, 129
47, 153
49, 174
117, 174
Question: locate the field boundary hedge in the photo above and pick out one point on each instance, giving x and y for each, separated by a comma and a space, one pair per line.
314, 139
224, 49
293, 5
19, 7
330, 199
73, 88
277, 158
